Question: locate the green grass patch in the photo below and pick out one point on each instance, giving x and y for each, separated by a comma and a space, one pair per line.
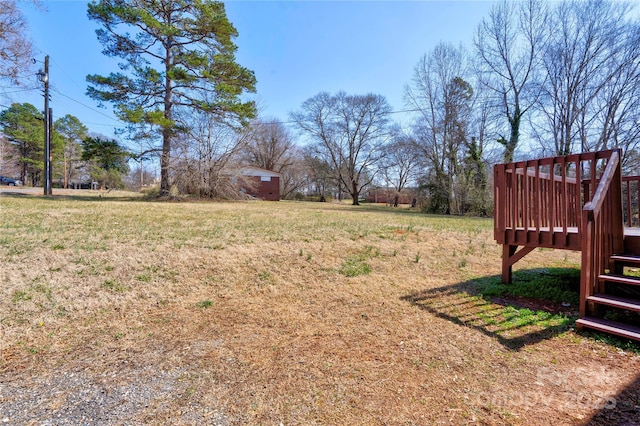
265, 276
558, 285
356, 264
352, 267
608, 339
204, 304
145, 277
20, 296
514, 326
113, 285
632, 272
521, 317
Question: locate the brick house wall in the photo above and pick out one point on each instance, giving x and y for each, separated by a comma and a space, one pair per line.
266, 184
265, 190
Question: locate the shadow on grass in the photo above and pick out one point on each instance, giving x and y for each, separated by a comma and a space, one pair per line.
621, 409
530, 310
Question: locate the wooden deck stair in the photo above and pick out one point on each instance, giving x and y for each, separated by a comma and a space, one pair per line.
611, 327
577, 202
620, 297
615, 302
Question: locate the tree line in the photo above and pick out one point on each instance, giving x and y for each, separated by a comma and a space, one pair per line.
540, 79
78, 156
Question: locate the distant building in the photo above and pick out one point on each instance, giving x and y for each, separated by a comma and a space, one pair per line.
387, 195
262, 184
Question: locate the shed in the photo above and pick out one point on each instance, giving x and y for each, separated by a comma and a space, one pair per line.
264, 184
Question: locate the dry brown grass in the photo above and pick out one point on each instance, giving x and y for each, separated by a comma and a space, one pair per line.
244, 313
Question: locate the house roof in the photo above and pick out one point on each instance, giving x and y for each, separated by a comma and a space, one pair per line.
257, 171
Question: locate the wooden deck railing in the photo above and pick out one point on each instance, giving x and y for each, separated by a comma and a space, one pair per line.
602, 229
539, 202
630, 200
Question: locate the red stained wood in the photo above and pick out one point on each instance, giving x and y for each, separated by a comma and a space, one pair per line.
619, 329
539, 203
577, 202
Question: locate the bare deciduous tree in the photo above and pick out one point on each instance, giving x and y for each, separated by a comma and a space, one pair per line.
591, 63
443, 98
295, 177
617, 106
348, 132
401, 163
321, 179
508, 44
16, 49
269, 145
205, 159
9, 157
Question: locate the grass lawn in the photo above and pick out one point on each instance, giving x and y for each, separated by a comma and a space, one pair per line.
118, 310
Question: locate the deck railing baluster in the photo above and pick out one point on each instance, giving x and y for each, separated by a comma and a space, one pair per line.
539, 202
637, 203
564, 213
525, 201
628, 206
631, 200
554, 198
602, 229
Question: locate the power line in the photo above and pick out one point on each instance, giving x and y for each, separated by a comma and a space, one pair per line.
66, 73
102, 124
20, 91
74, 83
401, 111
65, 108
119, 124
84, 105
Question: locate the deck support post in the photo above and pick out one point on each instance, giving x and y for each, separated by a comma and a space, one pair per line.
507, 252
510, 256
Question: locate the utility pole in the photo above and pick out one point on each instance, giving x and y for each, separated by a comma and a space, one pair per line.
44, 77
141, 170
50, 166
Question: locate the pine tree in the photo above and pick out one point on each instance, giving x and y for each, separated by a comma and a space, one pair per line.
179, 55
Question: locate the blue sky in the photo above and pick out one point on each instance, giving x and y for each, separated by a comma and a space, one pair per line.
295, 48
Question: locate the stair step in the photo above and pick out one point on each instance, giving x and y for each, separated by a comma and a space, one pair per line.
619, 279
611, 327
616, 302
626, 259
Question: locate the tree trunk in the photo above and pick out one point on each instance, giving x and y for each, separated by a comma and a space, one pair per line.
355, 193
165, 160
